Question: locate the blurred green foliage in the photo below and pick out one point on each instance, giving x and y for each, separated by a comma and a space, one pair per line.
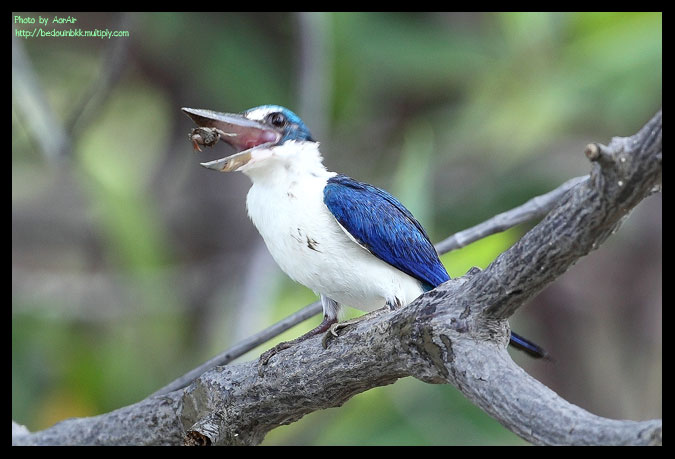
131, 265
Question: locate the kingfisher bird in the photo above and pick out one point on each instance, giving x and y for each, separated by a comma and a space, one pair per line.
353, 244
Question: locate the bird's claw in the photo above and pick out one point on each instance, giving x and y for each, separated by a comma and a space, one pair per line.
267, 355
333, 331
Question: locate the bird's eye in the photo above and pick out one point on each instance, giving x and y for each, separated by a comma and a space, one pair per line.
277, 119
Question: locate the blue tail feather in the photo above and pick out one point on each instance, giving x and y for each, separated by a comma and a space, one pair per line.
528, 347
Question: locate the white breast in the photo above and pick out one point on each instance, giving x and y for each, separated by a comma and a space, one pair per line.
286, 206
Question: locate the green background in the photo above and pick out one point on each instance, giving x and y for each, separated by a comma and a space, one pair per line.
131, 264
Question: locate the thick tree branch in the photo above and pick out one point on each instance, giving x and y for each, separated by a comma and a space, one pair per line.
626, 172
468, 350
454, 334
153, 421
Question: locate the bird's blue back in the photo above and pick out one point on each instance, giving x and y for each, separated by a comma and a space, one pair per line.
380, 223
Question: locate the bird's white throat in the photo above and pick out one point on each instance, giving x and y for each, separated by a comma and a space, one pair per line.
289, 161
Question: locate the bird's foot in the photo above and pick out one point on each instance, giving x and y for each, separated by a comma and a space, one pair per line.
267, 355
333, 330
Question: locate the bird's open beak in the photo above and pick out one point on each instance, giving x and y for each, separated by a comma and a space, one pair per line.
240, 132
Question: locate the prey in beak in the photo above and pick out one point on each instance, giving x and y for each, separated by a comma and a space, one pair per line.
243, 134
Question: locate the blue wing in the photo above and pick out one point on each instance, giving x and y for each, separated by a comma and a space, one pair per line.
380, 223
